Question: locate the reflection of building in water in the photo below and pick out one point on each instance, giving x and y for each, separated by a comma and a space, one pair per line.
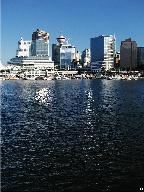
44, 96
32, 91
34, 53
89, 96
108, 95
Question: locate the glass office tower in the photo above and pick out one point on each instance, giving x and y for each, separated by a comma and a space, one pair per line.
63, 53
40, 43
103, 51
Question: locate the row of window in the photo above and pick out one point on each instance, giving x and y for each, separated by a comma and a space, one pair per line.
20, 43
22, 50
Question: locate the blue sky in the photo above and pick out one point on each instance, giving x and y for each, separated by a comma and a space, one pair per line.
78, 20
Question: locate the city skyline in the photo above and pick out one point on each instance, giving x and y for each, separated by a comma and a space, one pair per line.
77, 20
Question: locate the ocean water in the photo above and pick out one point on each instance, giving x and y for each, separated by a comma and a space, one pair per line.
72, 136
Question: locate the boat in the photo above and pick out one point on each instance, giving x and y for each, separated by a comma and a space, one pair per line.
65, 78
109, 78
58, 78
48, 78
12, 78
30, 78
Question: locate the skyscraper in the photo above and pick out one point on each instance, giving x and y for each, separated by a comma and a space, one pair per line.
63, 53
128, 54
40, 43
103, 51
140, 57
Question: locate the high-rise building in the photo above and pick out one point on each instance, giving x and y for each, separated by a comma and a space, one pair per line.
128, 54
34, 53
56, 55
103, 51
85, 57
63, 53
140, 57
40, 43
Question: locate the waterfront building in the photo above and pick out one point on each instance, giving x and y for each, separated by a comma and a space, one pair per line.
117, 60
85, 58
128, 54
78, 57
140, 57
40, 43
102, 50
96, 67
35, 53
63, 53
23, 48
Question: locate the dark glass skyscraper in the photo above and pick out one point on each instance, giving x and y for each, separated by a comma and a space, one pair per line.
140, 57
128, 54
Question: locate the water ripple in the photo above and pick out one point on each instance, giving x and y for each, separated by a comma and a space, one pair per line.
80, 135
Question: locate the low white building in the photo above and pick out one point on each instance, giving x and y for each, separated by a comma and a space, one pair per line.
32, 62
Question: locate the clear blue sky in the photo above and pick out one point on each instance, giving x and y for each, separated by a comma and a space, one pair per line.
77, 19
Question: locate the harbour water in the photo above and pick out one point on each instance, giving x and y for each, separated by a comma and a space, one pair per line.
72, 136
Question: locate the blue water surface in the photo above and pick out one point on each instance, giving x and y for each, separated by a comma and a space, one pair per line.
72, 136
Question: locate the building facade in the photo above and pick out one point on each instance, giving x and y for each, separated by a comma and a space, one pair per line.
34, 53
140, 57
23, 48
102, 50
63, 53
117, 60
128, 54
86, 58
40, 43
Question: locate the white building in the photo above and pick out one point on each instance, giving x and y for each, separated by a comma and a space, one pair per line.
23, 48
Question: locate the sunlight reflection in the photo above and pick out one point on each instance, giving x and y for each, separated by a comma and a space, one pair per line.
44, 96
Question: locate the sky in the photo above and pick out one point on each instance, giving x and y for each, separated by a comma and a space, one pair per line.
78, 20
